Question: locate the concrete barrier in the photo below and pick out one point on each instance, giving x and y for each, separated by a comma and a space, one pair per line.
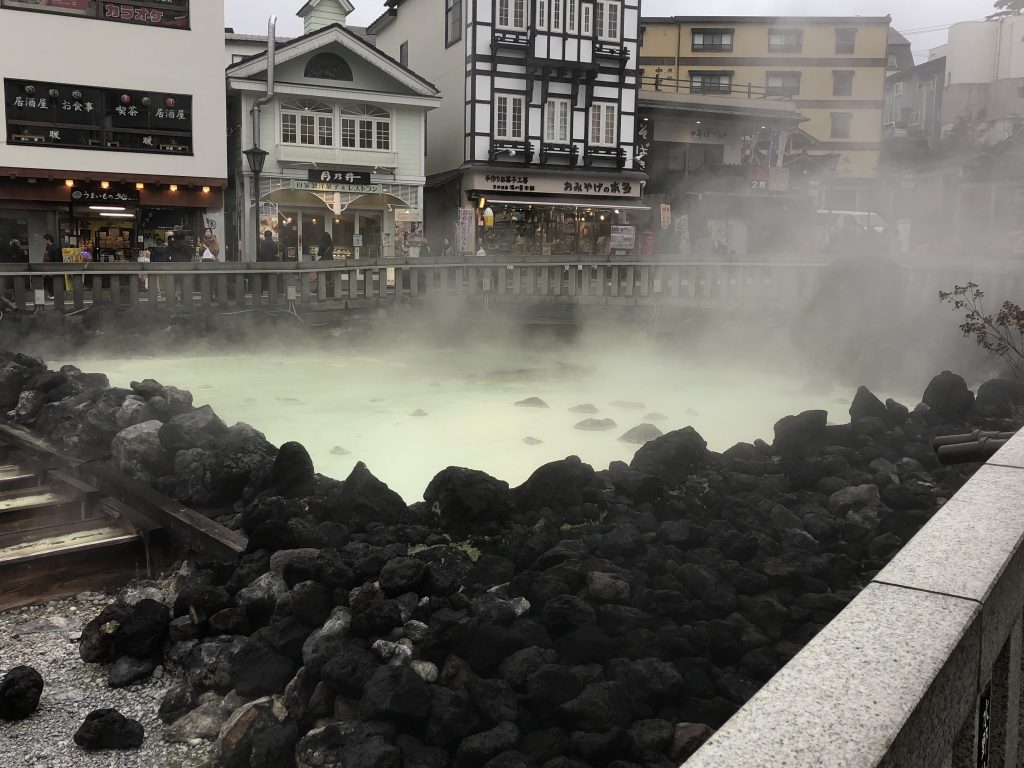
923, 668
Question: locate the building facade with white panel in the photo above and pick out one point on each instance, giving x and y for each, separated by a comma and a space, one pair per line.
344, 131
115, 135
534, 148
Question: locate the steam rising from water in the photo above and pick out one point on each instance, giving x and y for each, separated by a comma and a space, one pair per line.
364, 402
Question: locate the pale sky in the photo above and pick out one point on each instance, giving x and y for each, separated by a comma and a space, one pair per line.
251, 15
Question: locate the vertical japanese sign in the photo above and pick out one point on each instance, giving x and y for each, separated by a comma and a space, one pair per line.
465, 231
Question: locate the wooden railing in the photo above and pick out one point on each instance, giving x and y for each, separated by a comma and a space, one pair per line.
613, 281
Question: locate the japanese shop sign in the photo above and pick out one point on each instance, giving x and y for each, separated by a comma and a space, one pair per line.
102, 196
338, 177
152, 13
322, 186
554, 185
85, 117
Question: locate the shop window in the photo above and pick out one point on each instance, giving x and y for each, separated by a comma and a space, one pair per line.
782, 84
328, 66
846, 40
509, 112
364, 126
609, 18
512, 14
712, 39
452, 22
603, 125
710, 82
557, 121
841, 125
842, 83
309, 123
785, 40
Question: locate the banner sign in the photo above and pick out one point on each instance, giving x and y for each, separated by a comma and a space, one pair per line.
173, 14
573, 184
323, 186
408, 215
623, 238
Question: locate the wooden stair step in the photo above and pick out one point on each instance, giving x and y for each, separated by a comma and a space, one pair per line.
41, 517
64, 541
47, 496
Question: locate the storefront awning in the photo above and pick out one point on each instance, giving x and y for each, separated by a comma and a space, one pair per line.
294, 197
377, 201
570, 202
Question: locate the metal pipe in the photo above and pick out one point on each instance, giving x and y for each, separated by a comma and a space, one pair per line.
269, 95
969, 453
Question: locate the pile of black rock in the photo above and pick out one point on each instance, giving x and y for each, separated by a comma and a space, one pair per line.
585, 618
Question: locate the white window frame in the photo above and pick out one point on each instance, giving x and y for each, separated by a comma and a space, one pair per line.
572, 15
308, 119
542, 14
558, 121
603, 119
601, 13
511, 101
510, 8
898, 89
587, 19
356, 118
454, 21
557, 15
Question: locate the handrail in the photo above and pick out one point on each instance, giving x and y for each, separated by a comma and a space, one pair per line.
662, 83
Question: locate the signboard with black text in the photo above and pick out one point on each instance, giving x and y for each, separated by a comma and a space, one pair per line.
570, 184
96, 195
324, 186
87, 117
173, 14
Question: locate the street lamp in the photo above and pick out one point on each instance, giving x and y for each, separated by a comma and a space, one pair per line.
256, 157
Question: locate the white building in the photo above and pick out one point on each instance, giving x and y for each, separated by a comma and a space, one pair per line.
538, 122
345, 130
113, 122
984, 79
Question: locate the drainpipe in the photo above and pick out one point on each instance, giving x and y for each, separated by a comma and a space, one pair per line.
269, 95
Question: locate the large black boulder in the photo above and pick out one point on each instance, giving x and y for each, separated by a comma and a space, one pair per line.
98, 642
363, 499
292, 475
395, 693
796, 434
999, 397
672, 456
468, 501
20, 690
144, 630
948, 396
865, 406
109, 729
556, 485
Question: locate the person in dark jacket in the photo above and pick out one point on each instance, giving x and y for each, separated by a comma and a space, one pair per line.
325, 249
268, 250
51, 255
177, 249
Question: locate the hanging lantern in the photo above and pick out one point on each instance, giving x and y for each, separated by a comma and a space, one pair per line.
76, 95
126, 99
54, 93
30, 89
169, 102
146, 101
488, 217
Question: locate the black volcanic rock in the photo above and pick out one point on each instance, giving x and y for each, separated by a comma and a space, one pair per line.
866, 405
467, 500
364, 499
672, 456
20, 690
109, 729
948, 396
292, 475
800, 433
556, 485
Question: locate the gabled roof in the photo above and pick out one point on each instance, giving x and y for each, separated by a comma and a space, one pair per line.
895, 38
311, 4
334, 33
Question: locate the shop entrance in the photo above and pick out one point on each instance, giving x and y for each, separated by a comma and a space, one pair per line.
355, 234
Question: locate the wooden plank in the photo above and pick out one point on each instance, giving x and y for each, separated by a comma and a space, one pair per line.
37, 517
134, 290
337, 285
118, 510
78, 290
353, 284
41, 580
205, 290
61, 477
59, 294
20, 292
20, 437
223, 295
192, 529
26, 535
187, 289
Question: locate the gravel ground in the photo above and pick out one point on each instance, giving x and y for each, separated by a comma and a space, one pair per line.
46, 637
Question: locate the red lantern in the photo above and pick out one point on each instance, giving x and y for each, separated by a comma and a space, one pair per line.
169, 102
126, 99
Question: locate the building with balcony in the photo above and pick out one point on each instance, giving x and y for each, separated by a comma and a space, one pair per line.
832, 70
105, 143
913, 106
534, 147
344, 131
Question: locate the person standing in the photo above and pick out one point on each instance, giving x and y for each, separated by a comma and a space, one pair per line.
51, 255
211, 246
266, 251
447, 252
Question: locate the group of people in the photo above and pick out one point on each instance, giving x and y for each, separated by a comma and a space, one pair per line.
177, 249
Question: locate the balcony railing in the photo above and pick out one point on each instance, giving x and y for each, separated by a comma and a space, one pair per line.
299, 153
668, 84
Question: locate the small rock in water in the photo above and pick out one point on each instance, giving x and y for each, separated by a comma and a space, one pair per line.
418, 413
584, 408
339, 451
628, 405
531, 402
691, 412
655, 416
640, 434
249, 400
287, 399
532, 441
596, 425
376, 399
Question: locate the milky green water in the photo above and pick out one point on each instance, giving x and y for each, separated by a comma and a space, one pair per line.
363, 403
